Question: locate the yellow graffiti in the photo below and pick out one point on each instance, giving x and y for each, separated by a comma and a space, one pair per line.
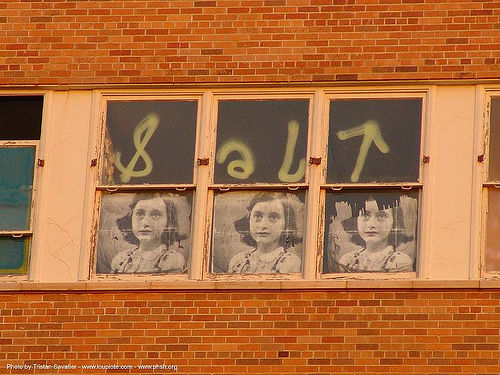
283, 174
242, 168
371, 133
142, 134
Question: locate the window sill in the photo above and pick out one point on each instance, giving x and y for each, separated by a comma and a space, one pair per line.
193, 285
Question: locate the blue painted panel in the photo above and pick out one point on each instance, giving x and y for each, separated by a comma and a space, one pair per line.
16, 185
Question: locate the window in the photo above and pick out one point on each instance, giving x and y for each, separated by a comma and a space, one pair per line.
492, 257
372, 185
290, 185
260, 152
146, 186
21, 126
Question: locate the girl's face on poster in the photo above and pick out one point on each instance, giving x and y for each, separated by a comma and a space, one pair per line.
374, 225
149, 219
267, 222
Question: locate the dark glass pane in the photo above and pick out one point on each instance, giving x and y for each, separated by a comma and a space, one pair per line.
258, 232
14, 255
493, 231
261, 141
149, 142
494, 150
144, 233
16, 184
374, 140
370, 231
21, 117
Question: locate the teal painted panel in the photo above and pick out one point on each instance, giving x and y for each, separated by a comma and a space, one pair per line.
16, 185
14, 255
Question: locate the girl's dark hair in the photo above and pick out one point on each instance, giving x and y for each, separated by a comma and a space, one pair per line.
170, 233
357, 201
289, 236
396, 236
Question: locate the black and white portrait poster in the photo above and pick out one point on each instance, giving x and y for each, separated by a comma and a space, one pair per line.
371, 232
144, 233
257, 232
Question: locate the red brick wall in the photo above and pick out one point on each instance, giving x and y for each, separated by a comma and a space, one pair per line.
256, 332
136, 41
204, 41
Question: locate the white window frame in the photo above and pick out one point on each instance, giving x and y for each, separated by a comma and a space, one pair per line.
213, 187
89, 267
482, 147
419, 185
33, 232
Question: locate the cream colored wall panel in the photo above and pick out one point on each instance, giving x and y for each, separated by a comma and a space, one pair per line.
61, 214
450, 184
64, 211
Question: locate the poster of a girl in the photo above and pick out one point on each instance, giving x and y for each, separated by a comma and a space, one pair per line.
270, 229
376, 236
151, 224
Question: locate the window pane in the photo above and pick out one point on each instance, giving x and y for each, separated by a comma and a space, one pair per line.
16, 183
258, 232
149, 142
261, 141
21, 117
14, 255
144, 233
370, 231
494, 151
493, 231
374, 140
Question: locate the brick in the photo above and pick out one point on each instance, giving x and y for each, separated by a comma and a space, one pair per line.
462, 346
319, 361
346, 77
205, 4
457, 40
391, 361
176, 348
40, 19
212, 51
406, 69
489, 347
367, 346
247, 361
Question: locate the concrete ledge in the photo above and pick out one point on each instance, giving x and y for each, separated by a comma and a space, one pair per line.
252, 84
192, 285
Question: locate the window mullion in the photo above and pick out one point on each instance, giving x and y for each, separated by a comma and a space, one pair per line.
205, 141
316, 135
427, 174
